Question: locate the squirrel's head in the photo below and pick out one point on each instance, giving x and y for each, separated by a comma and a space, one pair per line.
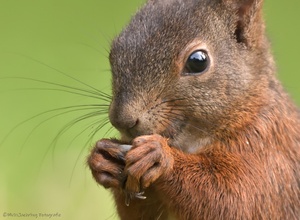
190, 70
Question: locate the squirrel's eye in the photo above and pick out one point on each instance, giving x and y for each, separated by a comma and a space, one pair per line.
197, 63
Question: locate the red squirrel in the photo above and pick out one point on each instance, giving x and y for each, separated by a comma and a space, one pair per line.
207, 130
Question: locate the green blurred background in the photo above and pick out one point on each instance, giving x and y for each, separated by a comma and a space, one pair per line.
40, 39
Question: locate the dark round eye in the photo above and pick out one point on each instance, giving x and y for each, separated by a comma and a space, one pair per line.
197, 63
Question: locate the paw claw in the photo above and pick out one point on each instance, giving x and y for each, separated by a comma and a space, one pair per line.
130, 196
140, 195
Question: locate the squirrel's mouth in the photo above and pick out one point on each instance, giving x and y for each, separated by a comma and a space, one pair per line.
179, 135
170, 132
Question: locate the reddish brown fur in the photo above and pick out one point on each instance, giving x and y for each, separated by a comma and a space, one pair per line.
221, 145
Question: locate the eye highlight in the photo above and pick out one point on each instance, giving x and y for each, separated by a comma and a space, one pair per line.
197, 63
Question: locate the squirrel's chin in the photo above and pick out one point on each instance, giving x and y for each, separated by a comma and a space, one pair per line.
192, 145
179, 141
128, 138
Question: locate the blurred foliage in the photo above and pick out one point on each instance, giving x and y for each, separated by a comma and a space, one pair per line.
59, 41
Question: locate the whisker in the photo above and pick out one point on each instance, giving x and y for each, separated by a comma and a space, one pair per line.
84, 146
49, 118
73, 122
76, 161
81, 132
61, 72
66, 127
103, 123
109, 131
59, 90
73, 108
97, 50
99, 93
176, 116
173, 115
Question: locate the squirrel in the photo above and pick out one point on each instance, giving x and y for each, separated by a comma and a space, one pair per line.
207, 131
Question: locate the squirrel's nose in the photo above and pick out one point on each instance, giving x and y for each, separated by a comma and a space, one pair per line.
123, 121
122, 118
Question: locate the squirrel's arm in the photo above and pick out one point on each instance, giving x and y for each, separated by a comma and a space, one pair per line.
190, 185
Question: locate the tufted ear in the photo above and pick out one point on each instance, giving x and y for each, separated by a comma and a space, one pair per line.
250, 25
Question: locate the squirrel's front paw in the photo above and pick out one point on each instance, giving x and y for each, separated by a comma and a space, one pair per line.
107, 162
149, 158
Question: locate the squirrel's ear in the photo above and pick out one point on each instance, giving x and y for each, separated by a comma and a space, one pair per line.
250, 24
